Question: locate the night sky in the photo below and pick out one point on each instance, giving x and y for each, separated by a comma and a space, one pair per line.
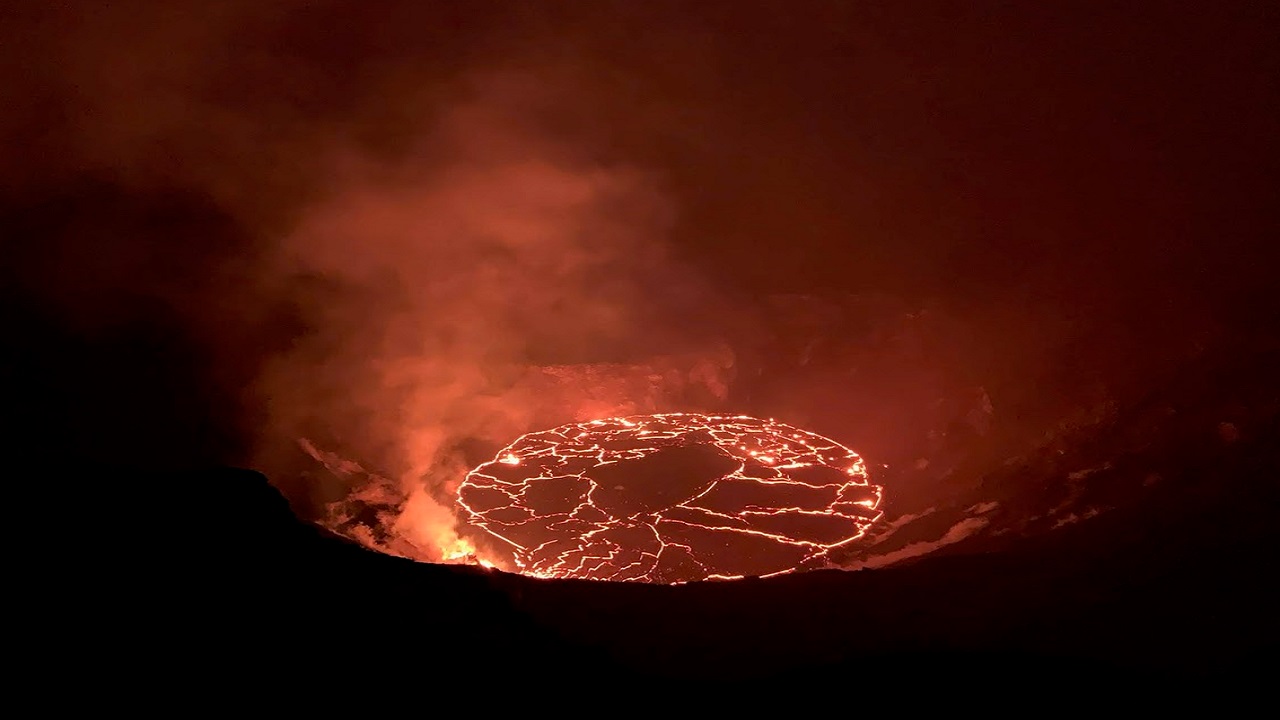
230, 225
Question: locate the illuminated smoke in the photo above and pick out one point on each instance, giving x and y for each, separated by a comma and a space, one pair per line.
480, 286
671, 498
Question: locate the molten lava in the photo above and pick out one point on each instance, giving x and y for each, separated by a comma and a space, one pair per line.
671, 498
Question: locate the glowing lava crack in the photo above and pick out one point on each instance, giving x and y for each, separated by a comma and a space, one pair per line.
671, 498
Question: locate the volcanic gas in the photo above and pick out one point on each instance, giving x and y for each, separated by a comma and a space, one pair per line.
671, 498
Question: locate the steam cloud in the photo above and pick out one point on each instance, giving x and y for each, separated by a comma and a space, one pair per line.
443, 276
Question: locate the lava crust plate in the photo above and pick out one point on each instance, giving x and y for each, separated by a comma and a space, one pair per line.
671, 498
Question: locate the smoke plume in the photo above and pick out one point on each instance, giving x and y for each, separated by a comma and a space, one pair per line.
479, 283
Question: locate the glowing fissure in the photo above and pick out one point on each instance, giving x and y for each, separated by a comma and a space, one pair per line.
671, 498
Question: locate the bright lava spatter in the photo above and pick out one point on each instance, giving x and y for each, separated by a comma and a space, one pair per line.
671, 498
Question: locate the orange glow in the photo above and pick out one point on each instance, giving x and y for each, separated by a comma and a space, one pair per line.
573, 502
463, 552
458, 553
